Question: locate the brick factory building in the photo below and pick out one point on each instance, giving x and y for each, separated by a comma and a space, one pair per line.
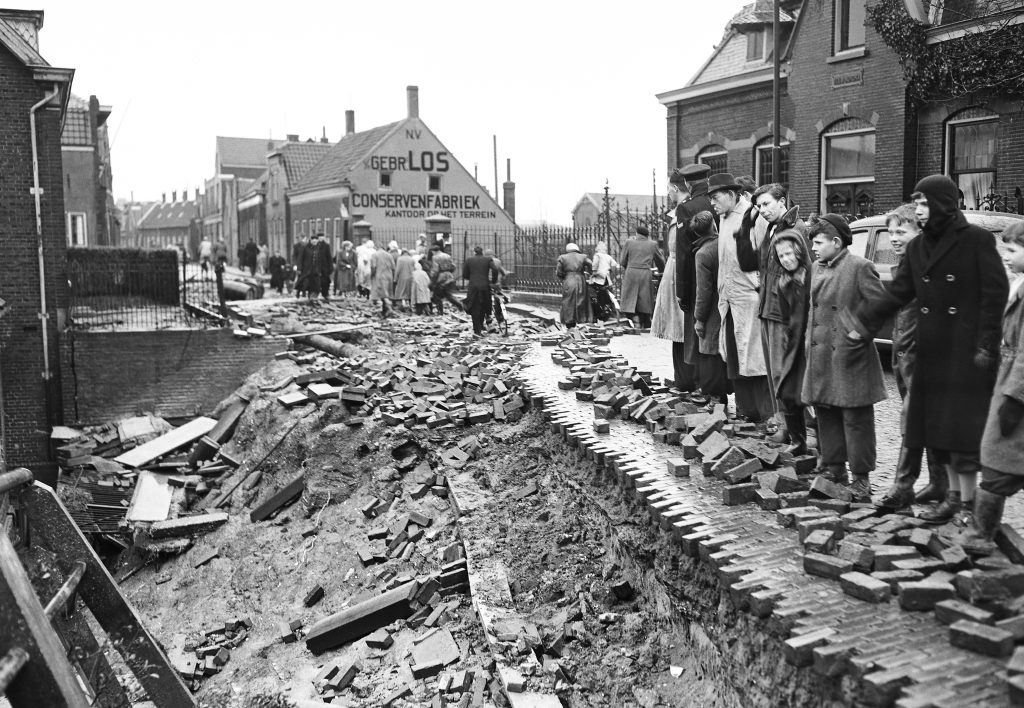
34, 312
853, 139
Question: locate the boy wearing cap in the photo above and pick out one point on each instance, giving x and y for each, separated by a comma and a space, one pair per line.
843, 379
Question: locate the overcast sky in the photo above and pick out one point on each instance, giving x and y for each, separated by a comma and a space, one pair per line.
568, 87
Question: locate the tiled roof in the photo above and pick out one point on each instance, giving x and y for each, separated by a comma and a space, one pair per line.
244, 152
758, 13
169, 215
343, 156
300, 157
258, 185
76, 123
635, 202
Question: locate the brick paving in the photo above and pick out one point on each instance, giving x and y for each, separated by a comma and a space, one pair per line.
892, 653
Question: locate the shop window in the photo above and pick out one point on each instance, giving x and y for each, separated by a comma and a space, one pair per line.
385, 180
763, 162
434, 183
716, 157
77, 231
848, 153
972, 155
848, 31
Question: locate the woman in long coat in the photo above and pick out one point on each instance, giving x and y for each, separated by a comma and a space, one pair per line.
955, 272
572, 269
345, 264
667, 322
639, 255
709, 367
403, 276
382, 278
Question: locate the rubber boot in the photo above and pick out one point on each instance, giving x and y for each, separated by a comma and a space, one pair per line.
945, 511
797, 433
979, 540
901, 494
938, 483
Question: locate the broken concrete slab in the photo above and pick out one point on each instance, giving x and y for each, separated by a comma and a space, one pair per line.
362, 619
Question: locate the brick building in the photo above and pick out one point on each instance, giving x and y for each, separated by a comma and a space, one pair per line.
853, 141
91, 215
590, 207
173, 223
34, 94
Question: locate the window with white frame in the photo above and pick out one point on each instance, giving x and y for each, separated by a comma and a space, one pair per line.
716, 157
78, 233
763, 162
848, 25
848, 168
972, 154
759, 44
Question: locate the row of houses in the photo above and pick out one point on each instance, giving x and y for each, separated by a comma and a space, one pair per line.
855, 136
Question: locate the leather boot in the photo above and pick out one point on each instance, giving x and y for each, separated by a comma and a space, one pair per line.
901, 494
797, 434
988, 514
938, 483
861, 489
945, 511
834, 473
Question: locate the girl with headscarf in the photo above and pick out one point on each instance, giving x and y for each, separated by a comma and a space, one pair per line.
572, 269
602, 304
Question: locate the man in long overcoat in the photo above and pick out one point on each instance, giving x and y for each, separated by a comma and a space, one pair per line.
479, 272
955, 272
638, 256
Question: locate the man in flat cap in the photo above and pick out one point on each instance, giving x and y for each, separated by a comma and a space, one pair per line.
695, 183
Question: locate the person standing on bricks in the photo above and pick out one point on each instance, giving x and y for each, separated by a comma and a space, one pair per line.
669, 321
954, 271
902, 226
843, 380
639, 256
572, 269
479, 272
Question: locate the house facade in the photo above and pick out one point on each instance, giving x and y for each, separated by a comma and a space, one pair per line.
590, 208
91, 216
34, 287
853, 140
173, 223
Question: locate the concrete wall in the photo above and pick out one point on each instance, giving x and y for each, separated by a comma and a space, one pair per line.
171, 373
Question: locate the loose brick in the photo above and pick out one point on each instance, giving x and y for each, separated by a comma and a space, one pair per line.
981, 585
950, 611
820, 541
822, 487
1015, 690
830, 523
981, 638
713, 447
799, 650
736, 494
862, 557
826, 566
1015, 666
678, 466
743, 471
864, 587
831, 659
895, 577
729, 459
882, 687
885, 556
767, 499
923, 595
1010, 542
1014, 625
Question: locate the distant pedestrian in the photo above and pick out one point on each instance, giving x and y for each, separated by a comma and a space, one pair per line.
220, 255
710, 372
403, 277
382, 279
326, 263
599, 285
572, 269
843, 380
420, 293
205, 254
479, 272
298, 251
639, 256
277, 272
442, 280
262, 258
498, 296
364, 254
737, 303
345, 264
310, 269
250, 256
954, 271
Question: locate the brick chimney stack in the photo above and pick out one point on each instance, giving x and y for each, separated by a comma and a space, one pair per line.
413, 99
509, 189
350, 122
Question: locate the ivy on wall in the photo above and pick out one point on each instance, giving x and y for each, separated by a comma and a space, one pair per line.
979, 63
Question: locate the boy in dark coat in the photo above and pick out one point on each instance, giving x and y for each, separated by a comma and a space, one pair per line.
843, 379
954, 271
712, 375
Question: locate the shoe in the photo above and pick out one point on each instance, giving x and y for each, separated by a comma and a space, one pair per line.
938, 483
896, 499
833, 473
946, 510
797, 433
979, 539
861, 490
779, 437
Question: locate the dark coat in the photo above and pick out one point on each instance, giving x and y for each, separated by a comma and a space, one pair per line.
638, 256
309, 269
904, 345
685, 275
841, 372
573, 269
793, 298
955, 272
765, 262
277, 272
705, 303
479, 272
1006, 454
326, 260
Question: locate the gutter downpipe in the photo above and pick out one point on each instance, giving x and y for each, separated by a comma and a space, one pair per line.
37, 192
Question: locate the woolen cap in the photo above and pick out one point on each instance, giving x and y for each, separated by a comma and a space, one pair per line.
840, 225
722, 180
642, 231
696, 171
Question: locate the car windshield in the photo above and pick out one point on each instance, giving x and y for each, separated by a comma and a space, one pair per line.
860, 242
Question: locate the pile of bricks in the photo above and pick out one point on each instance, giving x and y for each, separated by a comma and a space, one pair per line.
213, 651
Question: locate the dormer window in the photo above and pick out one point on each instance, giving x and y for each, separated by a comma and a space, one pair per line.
759, 44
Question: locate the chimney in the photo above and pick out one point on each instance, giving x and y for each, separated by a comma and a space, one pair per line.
323, 137
293, 137
350, 122
270, 145
174, 196
509, 189
163, 197
197, 195
413, 97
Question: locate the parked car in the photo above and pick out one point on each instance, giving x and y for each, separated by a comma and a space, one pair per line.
871, 240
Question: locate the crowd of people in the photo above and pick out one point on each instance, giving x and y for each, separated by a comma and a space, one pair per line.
777, 311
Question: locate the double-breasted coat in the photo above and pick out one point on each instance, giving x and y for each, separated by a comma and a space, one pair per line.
1006, 453
705, 303
841, 372
957, 276
639, 255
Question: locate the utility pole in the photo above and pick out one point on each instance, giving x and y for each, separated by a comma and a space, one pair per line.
776, 98
495, 168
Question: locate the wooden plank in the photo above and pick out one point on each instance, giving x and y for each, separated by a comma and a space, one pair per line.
280, 498
362, 619
188, 525
128, 634
47, 679
168, 442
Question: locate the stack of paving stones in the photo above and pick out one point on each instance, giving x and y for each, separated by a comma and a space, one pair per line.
896, 605
213, 651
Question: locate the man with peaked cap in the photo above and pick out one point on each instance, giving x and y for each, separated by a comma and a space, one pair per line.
669, 321
695, 182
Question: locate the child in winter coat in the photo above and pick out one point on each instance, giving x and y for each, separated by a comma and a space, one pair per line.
1002, 443
420, 290
787, 354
